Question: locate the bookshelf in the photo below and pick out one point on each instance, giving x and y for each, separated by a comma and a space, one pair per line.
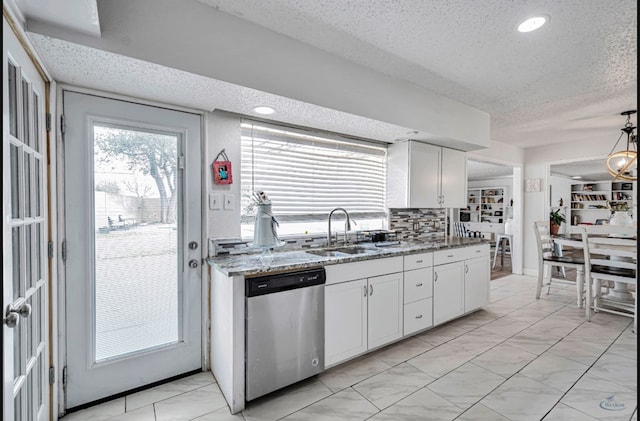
485, 205
593, 201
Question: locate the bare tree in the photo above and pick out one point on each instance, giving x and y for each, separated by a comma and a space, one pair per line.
145, 153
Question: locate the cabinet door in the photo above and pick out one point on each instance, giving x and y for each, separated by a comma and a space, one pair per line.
454, 178
448, 292
476, 283
385, 309
424, 175
345, 318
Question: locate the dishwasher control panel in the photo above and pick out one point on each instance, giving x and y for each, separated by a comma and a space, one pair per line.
268, 284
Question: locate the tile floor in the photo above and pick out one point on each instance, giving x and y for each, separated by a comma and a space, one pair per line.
517, 359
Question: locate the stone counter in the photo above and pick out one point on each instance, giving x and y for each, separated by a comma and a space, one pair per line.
251, 264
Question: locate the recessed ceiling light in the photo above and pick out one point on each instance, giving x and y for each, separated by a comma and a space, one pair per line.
533, 23
264, 110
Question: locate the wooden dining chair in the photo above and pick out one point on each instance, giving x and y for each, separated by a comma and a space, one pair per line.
611, 259
548, 260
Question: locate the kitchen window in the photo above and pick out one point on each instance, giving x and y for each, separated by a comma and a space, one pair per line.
307, 173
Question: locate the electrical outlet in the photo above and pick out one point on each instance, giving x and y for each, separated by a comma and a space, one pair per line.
228, 201
214, 201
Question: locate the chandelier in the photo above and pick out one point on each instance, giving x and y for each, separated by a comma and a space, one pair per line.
622, 165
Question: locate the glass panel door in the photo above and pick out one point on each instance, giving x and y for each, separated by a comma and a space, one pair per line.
133, 306
25, 315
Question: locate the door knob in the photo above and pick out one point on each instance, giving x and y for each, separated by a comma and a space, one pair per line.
12, 319
193, 263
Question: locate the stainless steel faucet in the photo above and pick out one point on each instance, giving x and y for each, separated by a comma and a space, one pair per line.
347, 225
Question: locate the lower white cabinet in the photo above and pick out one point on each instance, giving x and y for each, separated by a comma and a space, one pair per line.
345, 320
448, 292
477, 278
361, 315
385, 309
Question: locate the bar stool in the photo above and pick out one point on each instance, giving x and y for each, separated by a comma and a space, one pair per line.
501, 240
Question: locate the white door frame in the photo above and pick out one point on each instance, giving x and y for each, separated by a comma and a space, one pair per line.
517, 256
61, 350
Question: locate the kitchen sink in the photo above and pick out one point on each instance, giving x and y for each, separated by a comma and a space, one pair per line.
339, 251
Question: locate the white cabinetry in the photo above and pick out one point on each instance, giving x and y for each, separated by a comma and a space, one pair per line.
448, 292
476, 282
384, 309
418, 292
426, 176
460, 281
345, 319
362, 314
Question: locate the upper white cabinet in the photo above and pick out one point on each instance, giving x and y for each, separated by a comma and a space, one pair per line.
426, 176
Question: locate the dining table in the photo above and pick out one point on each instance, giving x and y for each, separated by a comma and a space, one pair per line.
572, 243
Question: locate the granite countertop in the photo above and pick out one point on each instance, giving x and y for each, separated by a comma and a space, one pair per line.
250, 264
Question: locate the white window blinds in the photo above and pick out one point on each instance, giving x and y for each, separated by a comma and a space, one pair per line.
307, 174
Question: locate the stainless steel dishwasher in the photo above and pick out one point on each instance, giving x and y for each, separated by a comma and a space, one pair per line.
284, 327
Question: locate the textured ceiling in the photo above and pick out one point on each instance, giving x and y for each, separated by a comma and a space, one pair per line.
478, 170
566, 82
589, 170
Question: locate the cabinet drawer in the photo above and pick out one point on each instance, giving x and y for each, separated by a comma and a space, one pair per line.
481, 250
363, 269
442, 257
418, 284
417, 261
418, 316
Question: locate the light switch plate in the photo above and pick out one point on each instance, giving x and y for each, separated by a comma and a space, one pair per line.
228, 201
214, 201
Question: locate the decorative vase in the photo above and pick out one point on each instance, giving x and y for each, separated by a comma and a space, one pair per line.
554, 228
621, 219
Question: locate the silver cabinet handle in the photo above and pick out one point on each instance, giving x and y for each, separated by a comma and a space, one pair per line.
418, 261
419, 285
449, 255
436, 277
466, 268
419, 316
365, 290
370, 289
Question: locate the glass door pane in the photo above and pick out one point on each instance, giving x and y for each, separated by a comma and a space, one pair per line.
136, 241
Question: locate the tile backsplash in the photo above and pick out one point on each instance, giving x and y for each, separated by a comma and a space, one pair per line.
418, 224
408, 225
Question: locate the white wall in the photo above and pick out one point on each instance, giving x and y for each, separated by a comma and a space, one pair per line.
536, 165
222, 132
196, 38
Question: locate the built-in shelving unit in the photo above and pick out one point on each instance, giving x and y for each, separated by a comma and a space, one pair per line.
592, 202
484, 205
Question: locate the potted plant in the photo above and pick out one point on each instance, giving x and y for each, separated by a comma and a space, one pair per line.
556, 219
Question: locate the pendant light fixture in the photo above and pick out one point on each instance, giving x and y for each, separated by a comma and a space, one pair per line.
622, 165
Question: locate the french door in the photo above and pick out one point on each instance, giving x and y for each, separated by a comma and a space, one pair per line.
24, 230
132, 233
